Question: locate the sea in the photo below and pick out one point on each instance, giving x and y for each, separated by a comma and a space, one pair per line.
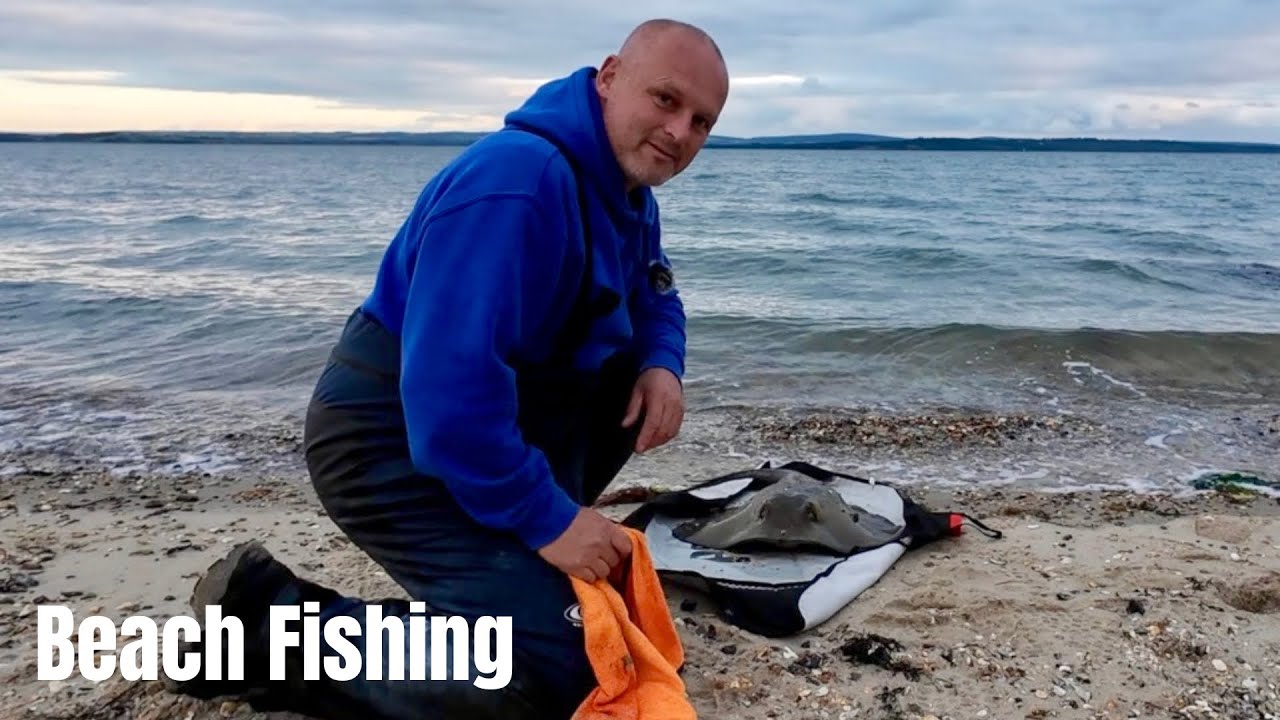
167, 307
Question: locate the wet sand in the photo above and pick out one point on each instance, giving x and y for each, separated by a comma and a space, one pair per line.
1096, 604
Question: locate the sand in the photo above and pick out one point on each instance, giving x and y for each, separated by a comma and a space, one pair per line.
1094, 605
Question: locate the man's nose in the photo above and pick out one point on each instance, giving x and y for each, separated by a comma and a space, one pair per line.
680, 127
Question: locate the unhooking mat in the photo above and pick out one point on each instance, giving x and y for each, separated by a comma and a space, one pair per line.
782, 549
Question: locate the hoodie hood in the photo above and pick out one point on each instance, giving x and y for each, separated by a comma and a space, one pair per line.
567, 112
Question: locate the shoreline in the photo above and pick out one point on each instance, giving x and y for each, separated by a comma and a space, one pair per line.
1095, 604
1105, 444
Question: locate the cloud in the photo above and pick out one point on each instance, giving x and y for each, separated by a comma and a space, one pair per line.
68, 106
1196, 69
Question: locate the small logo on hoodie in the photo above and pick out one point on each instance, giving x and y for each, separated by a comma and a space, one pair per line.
661, 279
573, 614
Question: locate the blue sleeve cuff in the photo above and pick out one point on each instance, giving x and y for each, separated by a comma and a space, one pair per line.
548, 513
664, 358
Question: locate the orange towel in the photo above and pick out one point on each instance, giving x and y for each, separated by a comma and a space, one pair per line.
632, 644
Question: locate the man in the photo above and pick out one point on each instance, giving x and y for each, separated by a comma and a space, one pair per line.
523, 337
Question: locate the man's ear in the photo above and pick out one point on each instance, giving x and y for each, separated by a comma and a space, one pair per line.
607, 74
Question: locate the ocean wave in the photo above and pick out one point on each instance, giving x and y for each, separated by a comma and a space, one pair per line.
1173, 241
889, 201
1166, 358
1123, 270
183, 219
820, 198
929, 258
1267, 276
1177, 243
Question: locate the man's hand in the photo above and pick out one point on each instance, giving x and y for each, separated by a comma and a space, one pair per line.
590, 547
658, 394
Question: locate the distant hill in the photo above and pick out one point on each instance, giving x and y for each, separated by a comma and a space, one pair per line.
833, 141
998, 144
796, 140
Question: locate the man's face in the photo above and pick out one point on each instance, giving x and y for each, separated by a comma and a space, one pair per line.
660, 104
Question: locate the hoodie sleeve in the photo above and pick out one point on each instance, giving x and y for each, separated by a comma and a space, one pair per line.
659, 317
484, 278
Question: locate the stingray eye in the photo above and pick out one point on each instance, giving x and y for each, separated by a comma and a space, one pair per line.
811, 512
764, 510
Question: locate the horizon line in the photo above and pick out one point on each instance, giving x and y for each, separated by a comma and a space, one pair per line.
870, 137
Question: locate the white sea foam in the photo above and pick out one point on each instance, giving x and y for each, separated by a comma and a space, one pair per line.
1074, 365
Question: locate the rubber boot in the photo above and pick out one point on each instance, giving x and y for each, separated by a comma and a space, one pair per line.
243, 584
249, 580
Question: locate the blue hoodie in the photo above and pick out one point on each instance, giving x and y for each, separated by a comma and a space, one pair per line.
483, 274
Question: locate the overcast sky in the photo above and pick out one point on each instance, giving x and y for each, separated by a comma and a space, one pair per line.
1184, 69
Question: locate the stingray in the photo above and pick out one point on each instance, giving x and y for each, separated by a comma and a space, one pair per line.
794, 512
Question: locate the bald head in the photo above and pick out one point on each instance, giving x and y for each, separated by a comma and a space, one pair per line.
661, 94
646, 34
